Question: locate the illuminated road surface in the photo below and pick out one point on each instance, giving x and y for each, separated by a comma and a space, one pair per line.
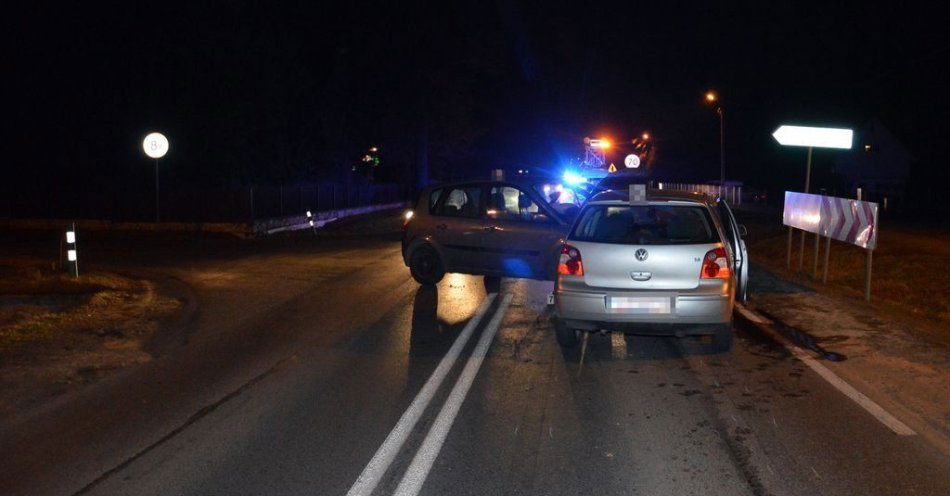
300, 365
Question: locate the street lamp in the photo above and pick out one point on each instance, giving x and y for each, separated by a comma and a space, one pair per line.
155, 146
713, 98
645, 136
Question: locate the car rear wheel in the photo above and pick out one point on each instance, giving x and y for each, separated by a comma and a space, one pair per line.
566, 336
722, 339
426, 266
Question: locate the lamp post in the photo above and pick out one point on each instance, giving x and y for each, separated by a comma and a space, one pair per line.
713, 98
155, 146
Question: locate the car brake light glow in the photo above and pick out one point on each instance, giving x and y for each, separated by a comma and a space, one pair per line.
715, 265
570, 263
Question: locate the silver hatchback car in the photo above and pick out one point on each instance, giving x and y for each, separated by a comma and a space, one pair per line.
651, 262
491, 228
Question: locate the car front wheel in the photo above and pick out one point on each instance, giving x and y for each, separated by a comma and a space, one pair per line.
426, 266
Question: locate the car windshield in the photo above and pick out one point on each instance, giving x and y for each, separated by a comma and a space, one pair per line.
645, 225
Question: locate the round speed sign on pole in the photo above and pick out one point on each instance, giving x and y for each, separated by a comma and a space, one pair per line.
155, 146
632, 161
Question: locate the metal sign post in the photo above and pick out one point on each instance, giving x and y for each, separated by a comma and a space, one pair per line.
811, 137
801, 254
155, 146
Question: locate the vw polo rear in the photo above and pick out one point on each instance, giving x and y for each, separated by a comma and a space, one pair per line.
658, 266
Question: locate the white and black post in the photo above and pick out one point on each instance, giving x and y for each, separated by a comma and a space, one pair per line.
72, 254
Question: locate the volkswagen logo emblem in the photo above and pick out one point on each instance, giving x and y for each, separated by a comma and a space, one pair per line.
641, 254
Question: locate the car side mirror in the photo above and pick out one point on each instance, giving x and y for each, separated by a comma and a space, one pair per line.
743, 232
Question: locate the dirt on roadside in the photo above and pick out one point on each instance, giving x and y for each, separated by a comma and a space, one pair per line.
58, 333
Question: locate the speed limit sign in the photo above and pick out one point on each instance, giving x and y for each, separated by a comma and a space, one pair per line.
632, 161
155, 145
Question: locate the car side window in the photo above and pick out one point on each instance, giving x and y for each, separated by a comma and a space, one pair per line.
510, 203
727, 223
464, 201
434, 199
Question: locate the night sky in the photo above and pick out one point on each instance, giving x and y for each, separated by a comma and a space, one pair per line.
267, 92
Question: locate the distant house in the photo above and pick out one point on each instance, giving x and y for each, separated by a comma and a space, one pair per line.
877, 163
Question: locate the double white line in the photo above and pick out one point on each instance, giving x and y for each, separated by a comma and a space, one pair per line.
416, 475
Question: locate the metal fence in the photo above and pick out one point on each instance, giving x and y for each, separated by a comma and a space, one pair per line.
219, 205
731, 193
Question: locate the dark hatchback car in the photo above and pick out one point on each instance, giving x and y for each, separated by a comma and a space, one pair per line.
492, 228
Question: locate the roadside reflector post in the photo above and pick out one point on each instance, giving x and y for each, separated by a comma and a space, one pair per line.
72, 255
310, 220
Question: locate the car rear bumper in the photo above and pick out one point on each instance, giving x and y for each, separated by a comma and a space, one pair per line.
690, 311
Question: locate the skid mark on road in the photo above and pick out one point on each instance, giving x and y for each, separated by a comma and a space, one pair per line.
200, 414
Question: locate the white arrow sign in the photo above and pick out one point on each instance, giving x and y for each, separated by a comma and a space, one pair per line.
818, 137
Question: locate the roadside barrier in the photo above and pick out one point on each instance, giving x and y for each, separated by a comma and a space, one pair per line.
852, 221
313, 220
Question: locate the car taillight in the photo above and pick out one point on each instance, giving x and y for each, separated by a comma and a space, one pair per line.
570, 263
715, 265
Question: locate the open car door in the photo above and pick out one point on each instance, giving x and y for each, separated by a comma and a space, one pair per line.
735, 232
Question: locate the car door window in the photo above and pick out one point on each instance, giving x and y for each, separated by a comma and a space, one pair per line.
462, 201
510, 203
729, 225
434, 199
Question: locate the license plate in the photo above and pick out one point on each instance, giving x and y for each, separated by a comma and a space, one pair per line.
639, 304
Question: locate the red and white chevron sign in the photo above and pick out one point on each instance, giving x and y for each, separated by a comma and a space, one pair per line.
851, 221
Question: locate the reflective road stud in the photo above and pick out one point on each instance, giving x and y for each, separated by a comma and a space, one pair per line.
71, 254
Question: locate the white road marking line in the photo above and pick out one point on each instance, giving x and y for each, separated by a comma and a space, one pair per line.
867, 403
418, 471
618, 345
890, 421
753, 316
376, 468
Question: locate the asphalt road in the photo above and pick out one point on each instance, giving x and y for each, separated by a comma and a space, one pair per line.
304, 359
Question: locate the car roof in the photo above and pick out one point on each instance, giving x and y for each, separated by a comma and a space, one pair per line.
623, 196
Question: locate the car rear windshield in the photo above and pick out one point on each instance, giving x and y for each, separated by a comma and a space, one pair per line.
646, 225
